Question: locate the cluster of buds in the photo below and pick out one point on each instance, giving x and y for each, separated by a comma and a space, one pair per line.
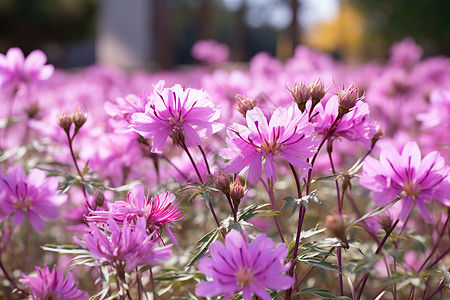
302, 93
233, 191
244, 104
78, 118
348, 98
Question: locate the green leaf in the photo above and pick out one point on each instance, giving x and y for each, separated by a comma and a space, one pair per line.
85, 169
204, 243
249, 212
123, 188
297, 203
320, 263
374, 212
65, 249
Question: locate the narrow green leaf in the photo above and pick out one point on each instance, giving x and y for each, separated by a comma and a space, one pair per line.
204, 244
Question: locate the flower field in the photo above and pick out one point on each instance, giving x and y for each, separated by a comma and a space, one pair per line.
302, 179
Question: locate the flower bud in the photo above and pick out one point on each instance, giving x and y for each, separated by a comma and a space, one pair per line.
65, 121
244, 104
336, 228
348, 98
79, 118
32, 110
177, 135
317, 91
237, 192
301, 94
222, 181
385, 222
377, 136
99, 198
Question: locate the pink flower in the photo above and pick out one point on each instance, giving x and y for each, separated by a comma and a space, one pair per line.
186, 114
33, 195
238, 266
354, 126
125, 247
15, 69
158, 211
288, 133
52, 285
415, 180
124, 107
210, 51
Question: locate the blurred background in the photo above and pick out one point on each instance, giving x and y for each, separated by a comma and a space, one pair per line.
159, 34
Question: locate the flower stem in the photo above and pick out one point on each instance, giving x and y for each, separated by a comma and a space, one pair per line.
272, 202
204, 158
233, 209
441, 234
83, 188
14, 284
152, 283
380, 247
339, 204
184, 147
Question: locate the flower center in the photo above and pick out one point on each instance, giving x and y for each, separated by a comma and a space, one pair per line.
244, 276
272, 146
411, 188
24, 204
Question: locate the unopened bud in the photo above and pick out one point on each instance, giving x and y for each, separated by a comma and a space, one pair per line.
79, 118
244, 104
99, 197
177, 135
301, 94
377, 136
222, 181
336, 228
237, 192
65, 121
385, 222
32, 110
317, 91
348, 98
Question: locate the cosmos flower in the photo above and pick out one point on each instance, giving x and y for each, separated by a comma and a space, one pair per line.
34, 195
15, 69
52, 285
125, 247
187, 115
354, 125
239, 266
417, 181
159, 211
287, 133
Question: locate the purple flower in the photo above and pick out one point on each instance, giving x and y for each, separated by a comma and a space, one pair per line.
52, 285
15, 69
239, 266
210, 51
288, 133
186, 114
354, 126
158, 211
125, 247
33, 195
415, 180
